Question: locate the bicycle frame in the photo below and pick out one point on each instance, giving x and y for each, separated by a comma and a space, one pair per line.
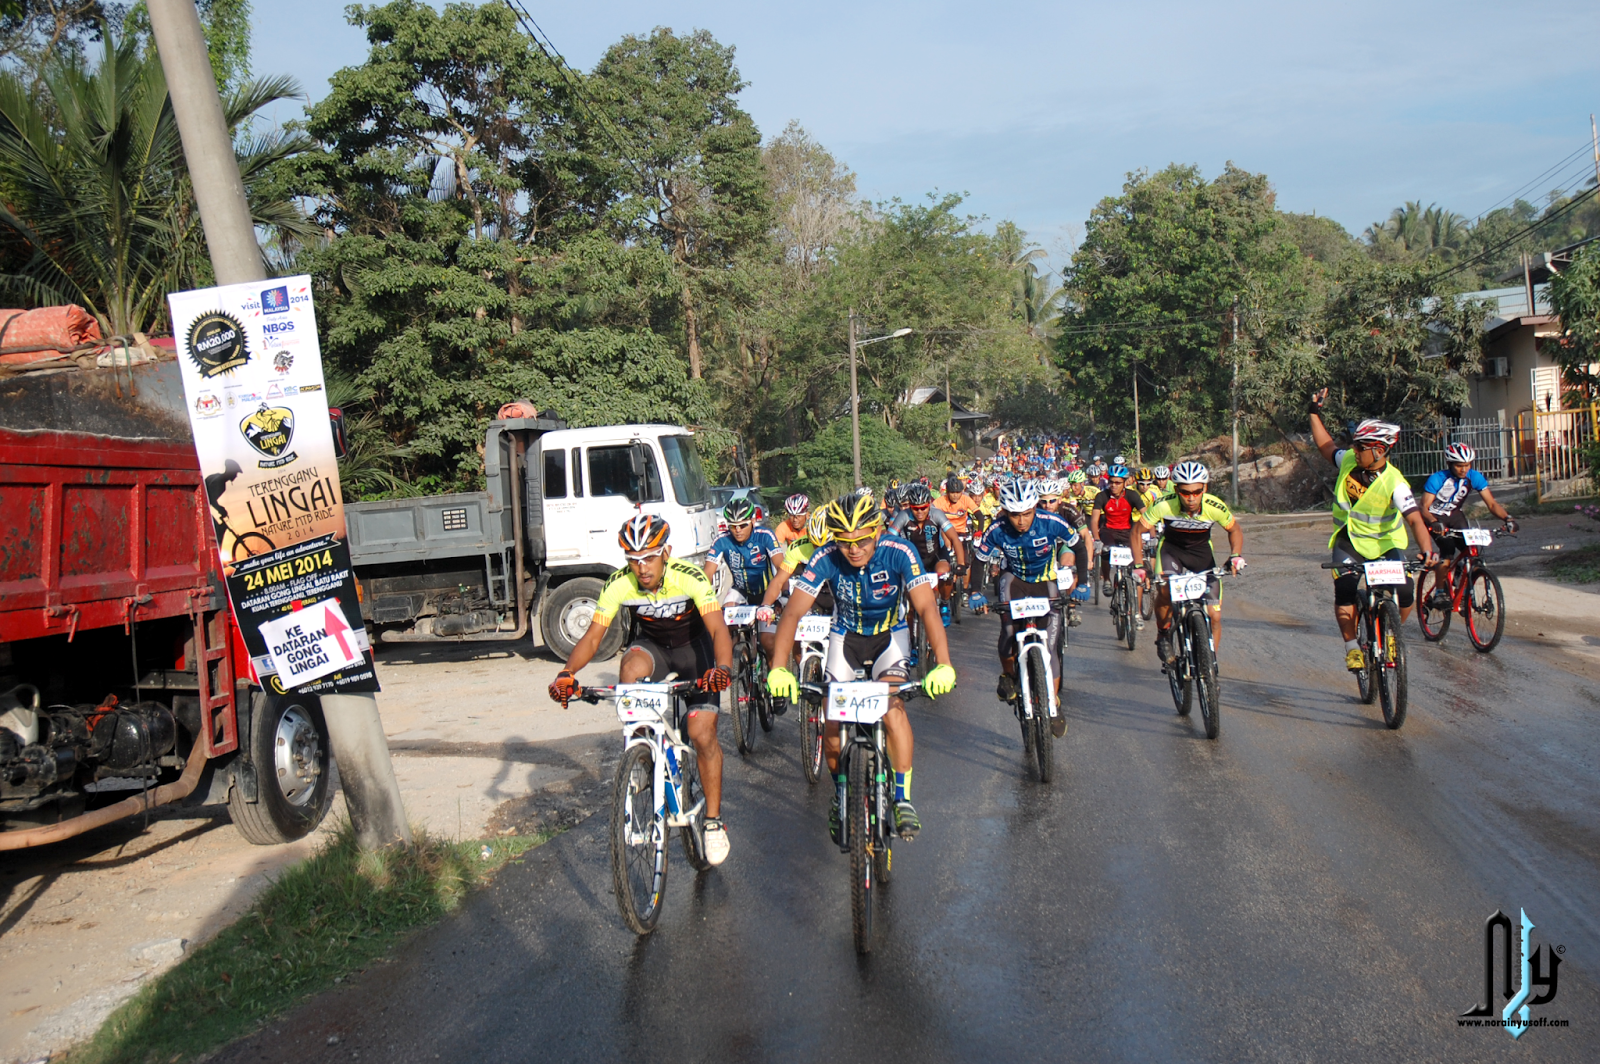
665, 737
1030, 637
1459, 574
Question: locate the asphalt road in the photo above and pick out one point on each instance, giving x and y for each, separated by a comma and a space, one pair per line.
1310, 886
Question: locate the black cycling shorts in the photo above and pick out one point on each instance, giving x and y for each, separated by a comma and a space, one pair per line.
1448, 545
690, 661
1174, 558
1346, 589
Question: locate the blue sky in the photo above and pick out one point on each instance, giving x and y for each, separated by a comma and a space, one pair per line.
1037, 110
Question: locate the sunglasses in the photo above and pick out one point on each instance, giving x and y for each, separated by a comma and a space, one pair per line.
859, 542
646, 556
740, 524
1191, 494
922, 506
1369, 447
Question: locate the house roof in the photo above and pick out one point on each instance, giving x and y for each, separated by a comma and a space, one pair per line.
925, 395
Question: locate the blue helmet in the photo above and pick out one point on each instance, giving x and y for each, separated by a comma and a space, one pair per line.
1119, 471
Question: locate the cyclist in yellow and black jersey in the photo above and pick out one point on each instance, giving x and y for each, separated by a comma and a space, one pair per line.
1187, 514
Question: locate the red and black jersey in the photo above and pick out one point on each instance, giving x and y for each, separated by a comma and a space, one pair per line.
1117, 511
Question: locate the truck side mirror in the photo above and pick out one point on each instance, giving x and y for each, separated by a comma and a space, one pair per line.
636, 461
341, 444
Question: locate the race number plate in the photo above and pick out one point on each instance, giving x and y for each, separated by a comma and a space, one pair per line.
861, 703
735, 615
1029, 607
1476, 537
1186, 587
813, 628
1382, 573
643, 702
1121, 556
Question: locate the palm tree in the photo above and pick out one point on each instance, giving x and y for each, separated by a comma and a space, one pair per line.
93, 183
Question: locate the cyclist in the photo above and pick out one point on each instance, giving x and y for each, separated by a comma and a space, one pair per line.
1029, 548
1055, 498
1186, 515
1372, 505
963, 513
1163, 480
1444, 498
796, 508
679, 629
933, 533
1111, 522
748, 553
874, 576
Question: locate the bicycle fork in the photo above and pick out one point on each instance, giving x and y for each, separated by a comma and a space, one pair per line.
1031, 638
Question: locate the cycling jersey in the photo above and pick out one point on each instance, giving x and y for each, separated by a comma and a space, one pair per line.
669, 616
870, 599
1450, 494
1184, 530
929, 538
956, 512
786, 533
796, 555
989, 504
749, 562
1029, 555
1116, 511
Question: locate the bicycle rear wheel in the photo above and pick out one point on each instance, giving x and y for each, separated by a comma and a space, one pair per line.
1434, 622
1486, 610
758, 685
693, 836
811, 718
742, 700
638, 841
1205, 681
858, 808
1392, 675
1039, 700
923, 653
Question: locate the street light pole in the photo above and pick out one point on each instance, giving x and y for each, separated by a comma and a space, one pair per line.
855, 404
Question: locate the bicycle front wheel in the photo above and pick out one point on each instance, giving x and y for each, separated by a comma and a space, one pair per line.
250, 544
1367, 678
1434, 622
742, 699
811, 718
1203, 663
1486, 610
1182, 684
1039, 701
638, 841
858, 808
1130, 631
1392, 673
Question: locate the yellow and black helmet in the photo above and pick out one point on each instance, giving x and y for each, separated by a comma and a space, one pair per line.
854, 516
817, 528
644, 535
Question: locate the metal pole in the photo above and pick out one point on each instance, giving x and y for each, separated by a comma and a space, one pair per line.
855, 404
1138, 449
1594, 138
1234, 344
355, 731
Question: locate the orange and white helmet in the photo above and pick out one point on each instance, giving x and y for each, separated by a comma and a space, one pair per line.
644, 536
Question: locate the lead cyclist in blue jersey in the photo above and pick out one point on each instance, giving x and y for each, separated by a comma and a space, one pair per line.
873, 576
1444, 498
1031, 549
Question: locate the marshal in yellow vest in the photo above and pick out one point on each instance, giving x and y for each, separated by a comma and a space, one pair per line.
1374, 524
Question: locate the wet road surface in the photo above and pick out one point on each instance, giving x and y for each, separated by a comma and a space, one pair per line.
1310, 886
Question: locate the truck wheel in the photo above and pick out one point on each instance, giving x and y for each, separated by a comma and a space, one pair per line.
566, 615
289, 756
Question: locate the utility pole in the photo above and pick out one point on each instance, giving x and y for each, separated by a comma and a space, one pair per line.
1138, 449
1234, 345
949, 405
855, 404
355, 731
1594, 138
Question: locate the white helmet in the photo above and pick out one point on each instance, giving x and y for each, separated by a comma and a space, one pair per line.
1376, 431
1191, 473
1163, 473
1018, 496
1459, 452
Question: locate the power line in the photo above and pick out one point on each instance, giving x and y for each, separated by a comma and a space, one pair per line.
1565, 209
1525, 187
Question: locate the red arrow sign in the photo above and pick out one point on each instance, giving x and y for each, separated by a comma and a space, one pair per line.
334, 624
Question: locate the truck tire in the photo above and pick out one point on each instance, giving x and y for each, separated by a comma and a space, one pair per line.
565, 617
289, 760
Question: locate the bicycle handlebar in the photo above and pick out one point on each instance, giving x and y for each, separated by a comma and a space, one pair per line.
906, 692
1410, 565
593, 695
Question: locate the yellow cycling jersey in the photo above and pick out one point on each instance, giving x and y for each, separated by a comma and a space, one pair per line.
669, 616
1182, 528
795, 557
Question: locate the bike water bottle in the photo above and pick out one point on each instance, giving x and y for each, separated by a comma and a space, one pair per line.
672, 780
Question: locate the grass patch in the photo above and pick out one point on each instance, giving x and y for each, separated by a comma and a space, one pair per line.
1580, 566
326, 917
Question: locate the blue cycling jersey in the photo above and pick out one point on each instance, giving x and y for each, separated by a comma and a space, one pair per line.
1029, 555
749, 562
1450, 494
870, 599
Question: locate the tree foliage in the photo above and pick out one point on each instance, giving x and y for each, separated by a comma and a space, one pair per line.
1575, 297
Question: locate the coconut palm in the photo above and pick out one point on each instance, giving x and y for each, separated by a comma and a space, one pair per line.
94, 185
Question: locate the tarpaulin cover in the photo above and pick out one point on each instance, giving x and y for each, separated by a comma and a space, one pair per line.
49, 332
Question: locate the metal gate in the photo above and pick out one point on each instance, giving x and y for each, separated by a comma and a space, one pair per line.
1558, 444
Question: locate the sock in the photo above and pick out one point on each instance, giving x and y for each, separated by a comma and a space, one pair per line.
839, 783
1349, 644
902, 786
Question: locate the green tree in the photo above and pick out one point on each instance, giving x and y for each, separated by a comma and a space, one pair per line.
1575, 297
226, 24
823, 464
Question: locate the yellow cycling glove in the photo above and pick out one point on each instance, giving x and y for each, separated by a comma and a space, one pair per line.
941, 681
782, 684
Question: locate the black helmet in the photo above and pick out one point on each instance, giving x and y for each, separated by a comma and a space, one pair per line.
918, 495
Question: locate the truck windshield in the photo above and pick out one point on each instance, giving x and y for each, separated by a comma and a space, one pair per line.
689, 485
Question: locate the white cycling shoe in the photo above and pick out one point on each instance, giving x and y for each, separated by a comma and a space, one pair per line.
716, 841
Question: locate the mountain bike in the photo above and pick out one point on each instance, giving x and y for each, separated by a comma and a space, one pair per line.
245, 544
749, 698
1122, 602
1193, 667
1379, 634
1147, 595
656, 789
1467, 588
1036, 704
867, 812
812, 636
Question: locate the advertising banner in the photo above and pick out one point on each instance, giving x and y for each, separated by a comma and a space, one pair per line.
252, 377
